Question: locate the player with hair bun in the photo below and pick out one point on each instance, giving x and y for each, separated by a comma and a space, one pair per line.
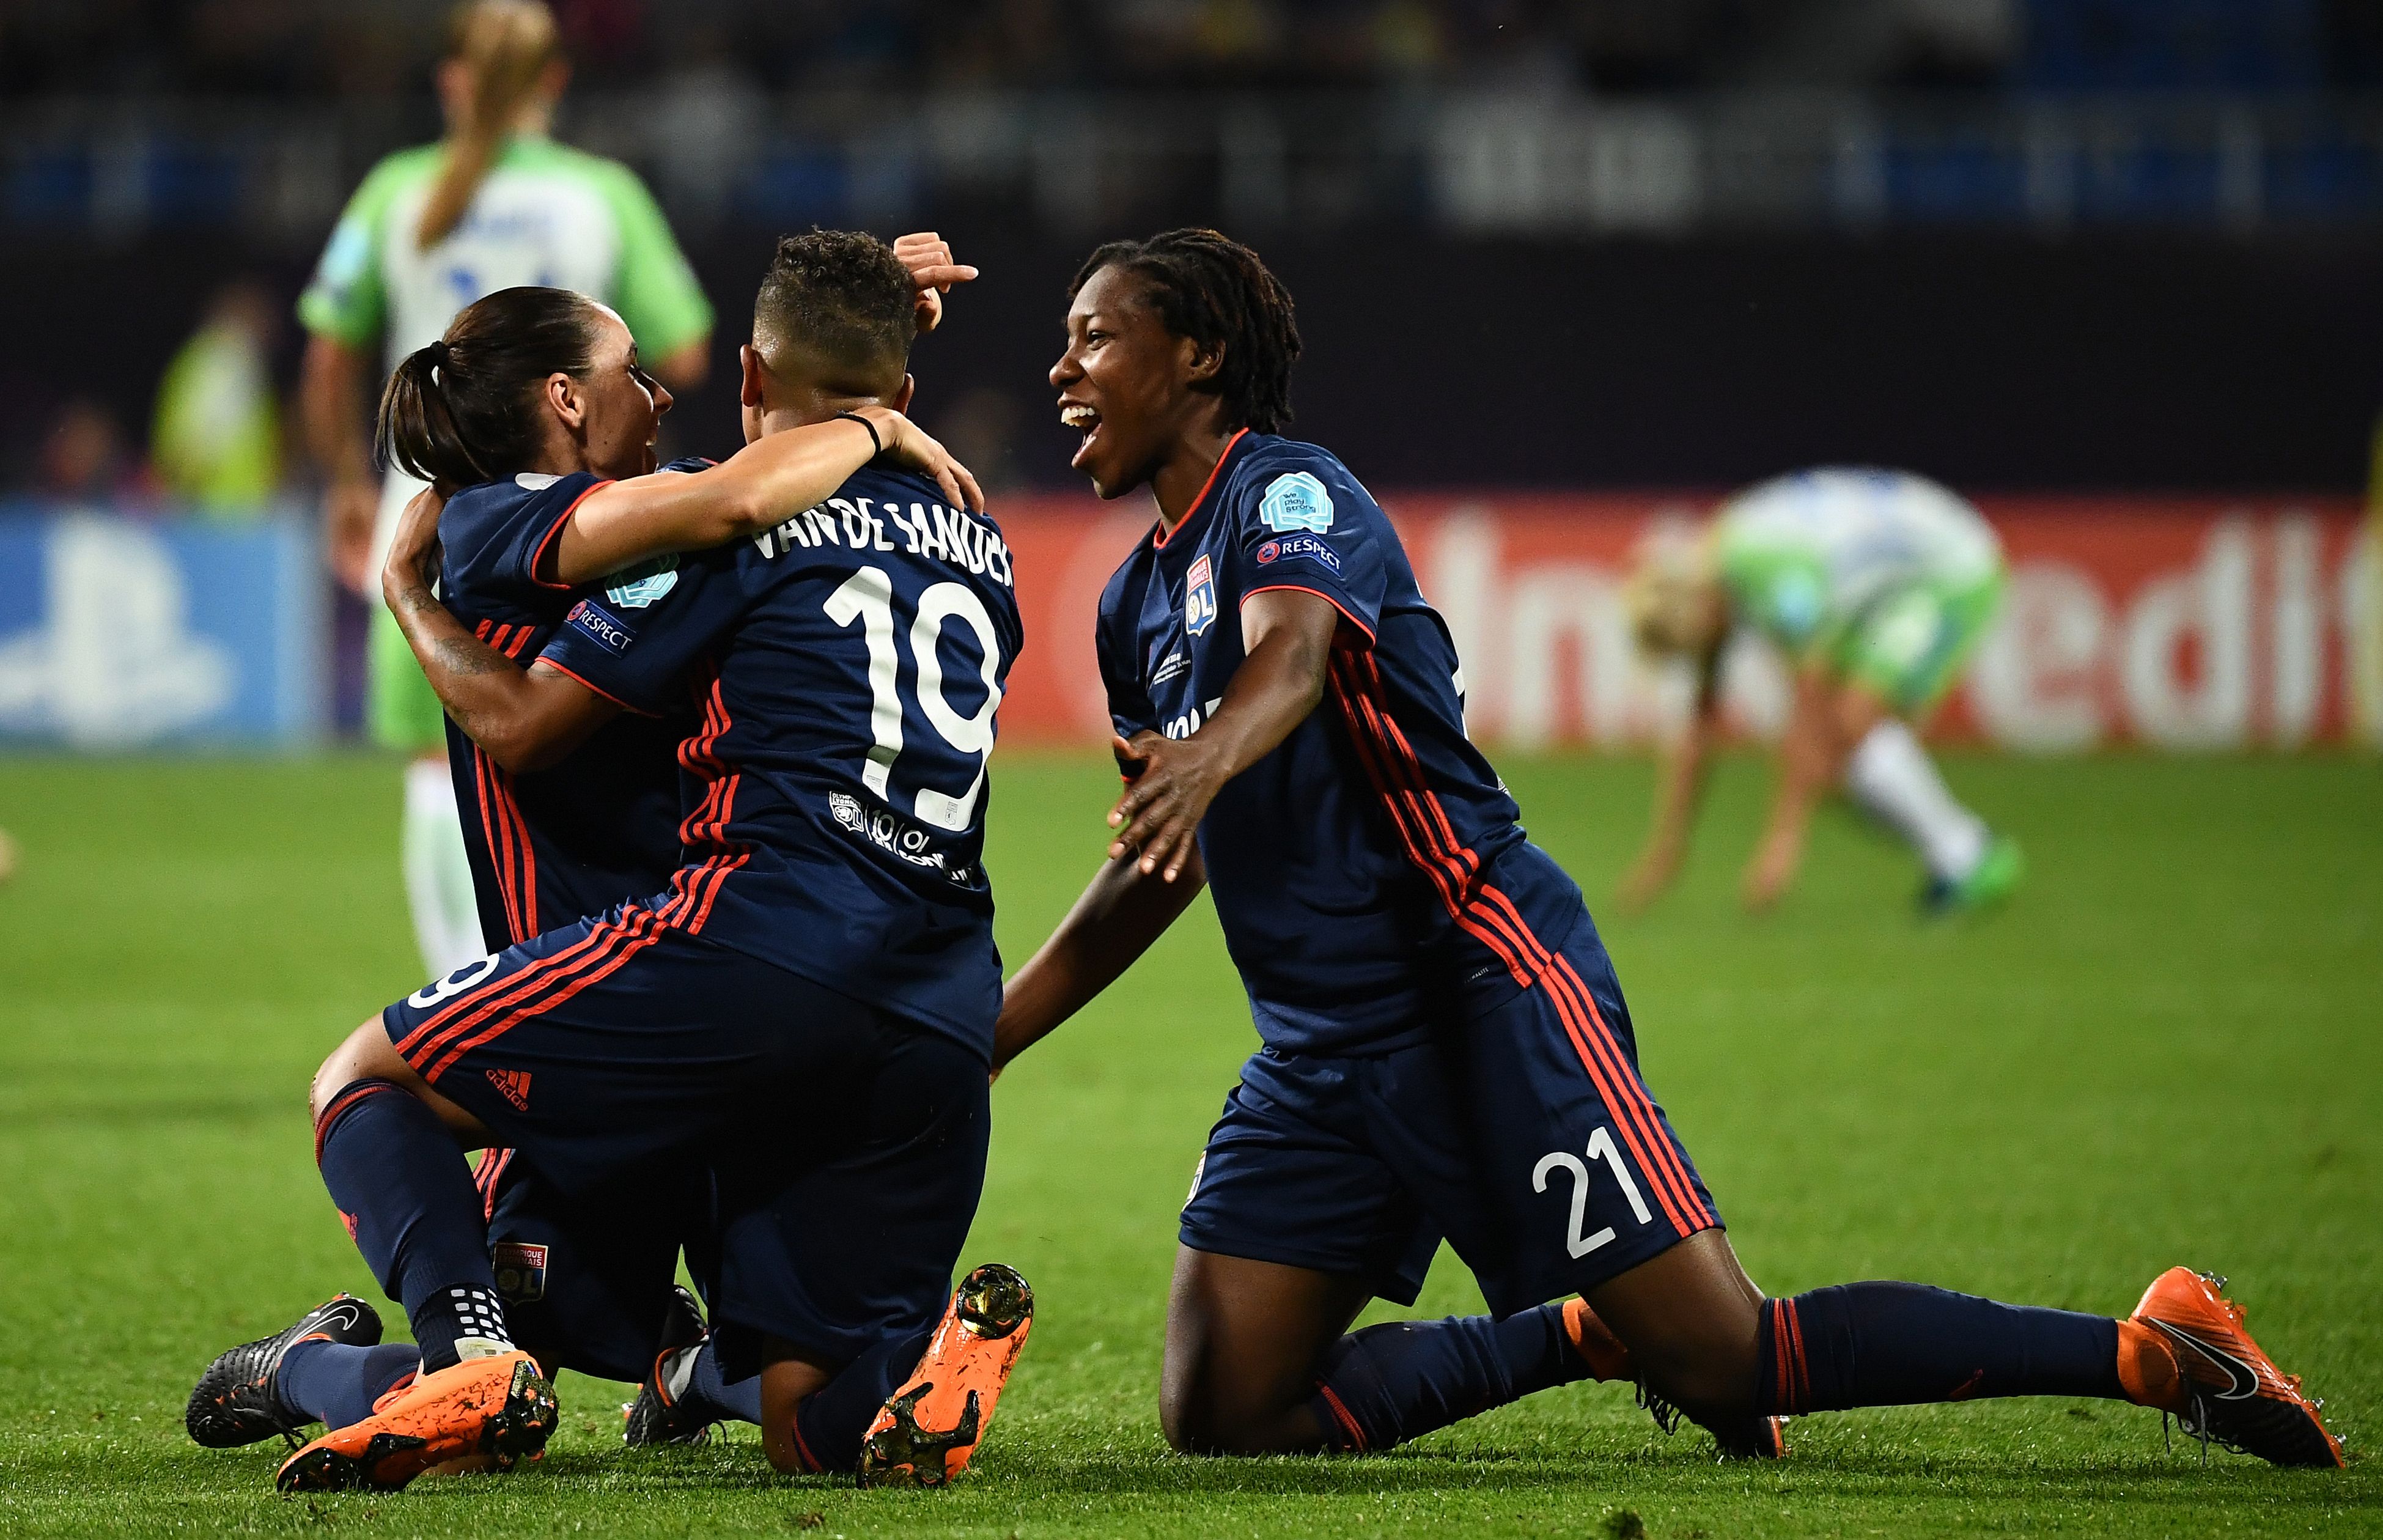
1446, 1052
496, 205
830, 1090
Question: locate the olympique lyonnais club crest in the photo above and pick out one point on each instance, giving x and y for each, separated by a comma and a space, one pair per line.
520, 1269
1199, 598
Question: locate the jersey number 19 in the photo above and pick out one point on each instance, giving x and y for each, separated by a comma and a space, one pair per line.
868, 596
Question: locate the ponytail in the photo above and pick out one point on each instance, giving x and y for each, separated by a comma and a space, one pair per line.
464, 410
416, 432
506, 44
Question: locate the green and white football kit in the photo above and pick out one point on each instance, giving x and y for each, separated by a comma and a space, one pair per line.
1889, 581
1886, 578
544, 213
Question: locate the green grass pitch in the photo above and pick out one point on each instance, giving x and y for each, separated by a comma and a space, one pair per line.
2170, 1050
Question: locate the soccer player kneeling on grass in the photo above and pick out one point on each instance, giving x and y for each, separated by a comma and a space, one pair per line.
586, 1275
1447, 1051
837, 1089
1875, 586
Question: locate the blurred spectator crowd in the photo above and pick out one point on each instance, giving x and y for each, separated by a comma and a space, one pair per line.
215, 448
2042, 147
287, 49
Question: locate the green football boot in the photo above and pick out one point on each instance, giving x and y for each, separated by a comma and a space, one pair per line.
1991, 882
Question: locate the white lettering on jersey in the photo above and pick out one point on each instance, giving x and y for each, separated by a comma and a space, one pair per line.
947, 534
1189, 723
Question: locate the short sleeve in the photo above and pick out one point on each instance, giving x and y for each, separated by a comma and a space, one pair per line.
635, 638
653, 288
1305, 523
1130, 709
494, 536
345, 300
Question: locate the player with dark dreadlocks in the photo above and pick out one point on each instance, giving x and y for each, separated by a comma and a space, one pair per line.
1446, 1049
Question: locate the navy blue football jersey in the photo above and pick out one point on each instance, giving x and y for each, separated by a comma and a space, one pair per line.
556, 844
848, 666
1370, 874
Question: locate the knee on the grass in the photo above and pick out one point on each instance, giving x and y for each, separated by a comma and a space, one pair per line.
1188, 1433
1177, 1425
1193, 1423
783, 1456
1710, 1379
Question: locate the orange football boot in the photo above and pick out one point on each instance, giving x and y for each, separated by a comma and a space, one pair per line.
1595, 1342
499, 1410
2231, 1393
926, 1431
1756, 1438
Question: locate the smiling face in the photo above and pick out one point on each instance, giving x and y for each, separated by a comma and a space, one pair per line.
1127, 383
620, 406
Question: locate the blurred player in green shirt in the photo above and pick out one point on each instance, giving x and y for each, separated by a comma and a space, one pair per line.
495, 204
1875, 586
217, 439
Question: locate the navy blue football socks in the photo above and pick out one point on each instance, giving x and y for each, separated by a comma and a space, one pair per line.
710, 1397
1899, 1344
832, 1421
1398, 1381
402, 1188
336, 1384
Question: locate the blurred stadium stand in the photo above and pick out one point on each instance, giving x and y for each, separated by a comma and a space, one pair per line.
2124, 247
2024, 243
1658, 115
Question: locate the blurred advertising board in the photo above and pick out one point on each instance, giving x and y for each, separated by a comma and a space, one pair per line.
2172, 622
121, 632
2167, 622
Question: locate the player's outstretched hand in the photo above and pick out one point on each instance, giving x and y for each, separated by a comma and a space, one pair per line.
413, 560
1159, 814
932, 272
912, 448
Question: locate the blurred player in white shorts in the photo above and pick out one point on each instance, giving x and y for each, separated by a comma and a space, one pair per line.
494, 205
1875, 586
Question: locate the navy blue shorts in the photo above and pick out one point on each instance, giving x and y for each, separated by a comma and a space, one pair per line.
587, 1277
1523, 1134
846, 1146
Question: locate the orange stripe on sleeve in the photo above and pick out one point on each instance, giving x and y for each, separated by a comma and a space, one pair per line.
1346, 613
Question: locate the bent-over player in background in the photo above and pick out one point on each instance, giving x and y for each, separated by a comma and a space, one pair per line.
1876, 587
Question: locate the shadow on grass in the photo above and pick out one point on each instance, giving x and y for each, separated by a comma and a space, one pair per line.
1681, 1469
61, 1489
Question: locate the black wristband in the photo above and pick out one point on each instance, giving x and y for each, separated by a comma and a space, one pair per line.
877, 444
